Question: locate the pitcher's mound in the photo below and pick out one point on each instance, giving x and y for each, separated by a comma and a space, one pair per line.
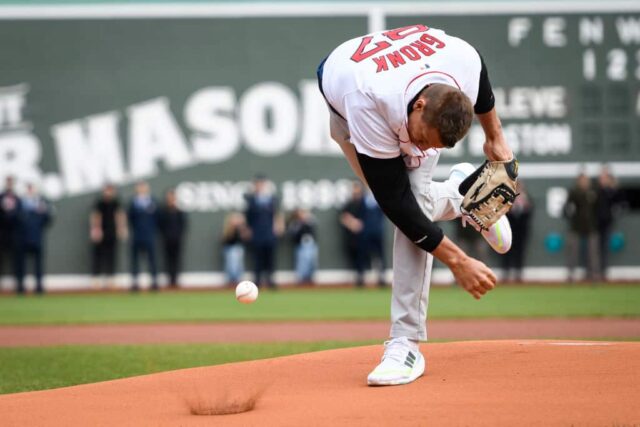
467, 383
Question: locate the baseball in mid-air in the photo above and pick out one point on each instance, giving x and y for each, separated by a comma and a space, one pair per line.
246, 292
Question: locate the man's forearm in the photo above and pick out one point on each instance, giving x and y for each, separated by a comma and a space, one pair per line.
449, 254
350, 153
495, 146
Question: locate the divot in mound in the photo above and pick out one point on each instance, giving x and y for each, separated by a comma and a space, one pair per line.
228, 402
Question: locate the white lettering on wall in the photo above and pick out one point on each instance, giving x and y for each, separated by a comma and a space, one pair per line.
553, 32
628, 30
591, 31
209, 112
89, 151
20, 154
531, 102
315, 139
518, 30
617, 65
154, 135
589, 69
556, 199
12, 102
543, 139
269, 118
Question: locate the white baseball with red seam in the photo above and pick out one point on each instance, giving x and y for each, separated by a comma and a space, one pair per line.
246, 292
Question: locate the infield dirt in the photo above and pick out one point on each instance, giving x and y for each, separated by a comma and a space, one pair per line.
467, 383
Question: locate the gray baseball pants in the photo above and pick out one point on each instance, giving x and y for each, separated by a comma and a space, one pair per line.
440, 201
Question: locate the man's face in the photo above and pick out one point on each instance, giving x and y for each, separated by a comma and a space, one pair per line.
260, 186
171, 198
142, 189
583, 182
108, 192
422, 135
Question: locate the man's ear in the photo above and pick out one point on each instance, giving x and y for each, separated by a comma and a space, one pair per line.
419, 104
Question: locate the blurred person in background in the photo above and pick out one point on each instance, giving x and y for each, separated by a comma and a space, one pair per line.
351, 216
143, 221
373, 237
36, 217
580, 211
608, 204
173, 226
108, 223
235, 234
266, 225
520, 217
302, 230
10, 209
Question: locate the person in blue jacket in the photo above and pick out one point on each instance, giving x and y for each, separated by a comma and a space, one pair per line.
35, 218
143, 223
266, 225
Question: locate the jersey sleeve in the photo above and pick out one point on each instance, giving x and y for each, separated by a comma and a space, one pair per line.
486, 100
369, 131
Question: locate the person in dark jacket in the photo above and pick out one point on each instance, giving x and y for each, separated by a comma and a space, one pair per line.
608, 203
266, 226
143, 223
373, 237
108, 224
173, 226
520, 217
36, 217
10, 210
302, 231
351, 216
581, 214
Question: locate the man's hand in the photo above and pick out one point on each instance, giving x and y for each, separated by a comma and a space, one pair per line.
96, 234
474, 276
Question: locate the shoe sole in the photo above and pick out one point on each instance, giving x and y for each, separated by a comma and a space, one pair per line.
416, 373
503, 234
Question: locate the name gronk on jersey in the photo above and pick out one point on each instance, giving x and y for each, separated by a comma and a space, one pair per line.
370, 80
414, 51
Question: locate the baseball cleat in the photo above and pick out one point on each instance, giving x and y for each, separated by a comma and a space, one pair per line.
401, 363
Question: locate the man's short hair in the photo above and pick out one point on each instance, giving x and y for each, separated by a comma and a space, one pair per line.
450, 112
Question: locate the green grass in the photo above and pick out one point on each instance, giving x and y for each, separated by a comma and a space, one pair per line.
37, 368
319, 304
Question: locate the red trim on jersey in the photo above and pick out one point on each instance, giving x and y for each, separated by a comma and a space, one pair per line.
431, 72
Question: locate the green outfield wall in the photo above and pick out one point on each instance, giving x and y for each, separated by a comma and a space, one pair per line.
203, 96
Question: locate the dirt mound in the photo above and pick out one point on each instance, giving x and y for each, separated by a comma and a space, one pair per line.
469, 383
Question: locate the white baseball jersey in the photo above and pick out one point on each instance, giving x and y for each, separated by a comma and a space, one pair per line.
371, 80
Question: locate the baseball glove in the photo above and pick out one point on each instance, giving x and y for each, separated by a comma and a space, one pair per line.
489, 192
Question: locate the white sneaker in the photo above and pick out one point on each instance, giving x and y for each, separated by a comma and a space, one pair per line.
402, 363
498, 236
